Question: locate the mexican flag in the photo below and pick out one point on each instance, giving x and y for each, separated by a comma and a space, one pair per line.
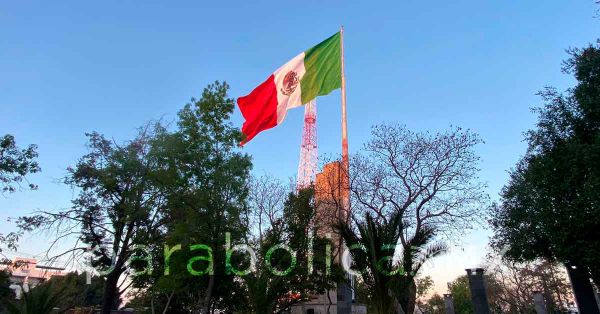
314, 72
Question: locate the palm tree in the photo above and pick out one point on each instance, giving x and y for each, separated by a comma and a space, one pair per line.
419, 249
372, 237
390, 281
42, 299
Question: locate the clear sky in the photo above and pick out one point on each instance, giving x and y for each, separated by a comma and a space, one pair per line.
71, 67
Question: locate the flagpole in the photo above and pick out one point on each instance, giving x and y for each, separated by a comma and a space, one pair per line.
345, 159
344, 114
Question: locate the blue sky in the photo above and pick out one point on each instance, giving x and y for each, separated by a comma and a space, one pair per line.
71, 67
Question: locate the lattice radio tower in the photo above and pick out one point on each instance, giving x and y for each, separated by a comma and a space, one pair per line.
307, 167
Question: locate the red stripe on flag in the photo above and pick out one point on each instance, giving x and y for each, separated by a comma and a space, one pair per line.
259, 108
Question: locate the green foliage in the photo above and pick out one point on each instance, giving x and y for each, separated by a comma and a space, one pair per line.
16, 164
428, 179
373, 236
61, 292
6, 294
550, 207
269, 293
389, 282
424, 285
435, 305
497, 295
186, 186
461, 294
43, 299
361, 291
204, 178
118, 205
76, 291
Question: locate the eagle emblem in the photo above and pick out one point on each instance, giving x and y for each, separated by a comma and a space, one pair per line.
290, 82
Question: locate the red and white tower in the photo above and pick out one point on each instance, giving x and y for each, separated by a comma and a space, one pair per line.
307, 168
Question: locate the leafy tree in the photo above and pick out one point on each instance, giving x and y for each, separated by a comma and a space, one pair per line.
262, 290
435, 305
272, 293
77, 293
205, 178
424, 285
183, 187
461, 295
15, 165
6, 293
550, 208
119, 205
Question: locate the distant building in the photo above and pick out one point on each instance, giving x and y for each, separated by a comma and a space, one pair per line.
329, 196
25, 273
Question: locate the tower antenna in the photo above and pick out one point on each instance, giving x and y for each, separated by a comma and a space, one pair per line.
309, 154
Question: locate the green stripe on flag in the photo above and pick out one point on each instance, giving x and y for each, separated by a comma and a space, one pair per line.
323, 69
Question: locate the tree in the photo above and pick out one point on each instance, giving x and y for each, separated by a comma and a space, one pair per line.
391, 283
373, 237
177, 187
266, 198
550, 208
461, 295
427, 181
435, 305
361, 291
205, 178
270, 292
119, 206
77, 293
511, 286
424, 285
15, 165
6, 293
496, 292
